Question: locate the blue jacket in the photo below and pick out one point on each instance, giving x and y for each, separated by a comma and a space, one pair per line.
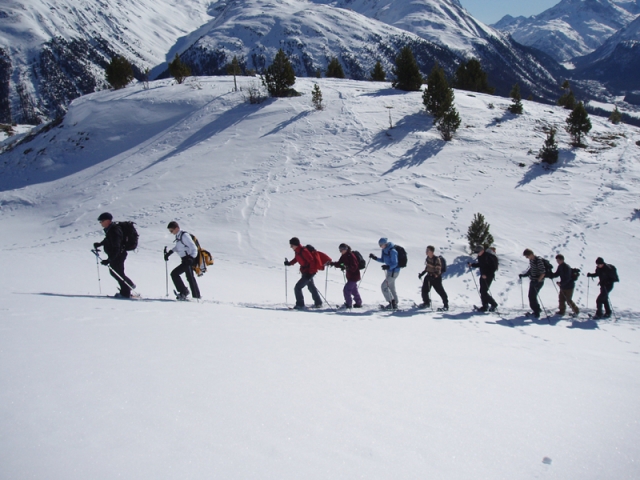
390, 257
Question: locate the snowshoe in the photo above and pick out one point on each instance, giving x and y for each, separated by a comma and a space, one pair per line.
442, 309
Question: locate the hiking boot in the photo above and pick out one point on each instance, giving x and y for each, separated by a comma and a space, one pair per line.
357, 305
317, 305
182, 297
394, 304
344, 306
598, 315
607, 315
387, 307
559, 312
422, 306
299, 307
493, 308
443, 309
480, 309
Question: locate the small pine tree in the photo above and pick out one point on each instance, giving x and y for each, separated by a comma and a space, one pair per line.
119, 72
145, 79
578, 124
438, 96
280, 77
316, 97
448, 124
478, 233
233, 68
567, 100
616, 116
334, 69
179, 70
378, 74
549, 151
408, 77
471, 77
516, 104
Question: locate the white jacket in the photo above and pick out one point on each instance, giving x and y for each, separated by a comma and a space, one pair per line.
185, 245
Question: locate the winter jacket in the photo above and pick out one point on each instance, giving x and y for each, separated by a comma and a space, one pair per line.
433, 266
185, 245
112, 242
536, 268
564, 272
350, 263
390, 257
605, 275
305, 258
487, 262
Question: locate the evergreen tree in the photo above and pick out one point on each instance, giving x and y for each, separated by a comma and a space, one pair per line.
471, 77
438, 96
408, 77
280, 77
334, 69
578, 124
449, 123
316, 97
478, 233
616, 116
179, 70
378, 74
145, 79
233, 68
119, 72
549, 151
567, 100
516, 104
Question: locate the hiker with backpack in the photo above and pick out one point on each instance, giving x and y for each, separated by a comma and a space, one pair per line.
350, 264
536, 274
433, 270
114, 247
186, 249
566, 285
308, 270
487, 262
608, 275
390, 259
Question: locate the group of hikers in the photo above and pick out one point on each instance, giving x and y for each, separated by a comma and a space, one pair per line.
393, 259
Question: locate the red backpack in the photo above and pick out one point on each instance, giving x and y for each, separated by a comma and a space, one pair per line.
320, 258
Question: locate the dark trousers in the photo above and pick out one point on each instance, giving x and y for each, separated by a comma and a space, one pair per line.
117, 267
485, 285
306, 281
436, 283
185, 267
534, 290
603, 299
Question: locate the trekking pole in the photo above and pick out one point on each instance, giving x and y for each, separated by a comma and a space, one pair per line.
521, 293
166, 270
325, 301
545, 310
363, 273
475, 282
588, 284
326, 282
286, 287
118, 275
613, 312
98, 270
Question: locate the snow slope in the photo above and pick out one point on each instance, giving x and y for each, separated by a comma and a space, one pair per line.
237, 386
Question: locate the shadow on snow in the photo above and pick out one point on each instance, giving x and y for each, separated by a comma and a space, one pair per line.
538, 169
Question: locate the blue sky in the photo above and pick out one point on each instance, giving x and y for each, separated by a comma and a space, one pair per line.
490, 11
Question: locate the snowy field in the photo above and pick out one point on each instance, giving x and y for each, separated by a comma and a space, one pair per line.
237, 386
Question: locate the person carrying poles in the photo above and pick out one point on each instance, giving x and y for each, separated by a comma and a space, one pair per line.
113, 244
566, 285
308, 270
607, 276
487, 262
188, 252
433, 271
536, 275
389, 258
349, 264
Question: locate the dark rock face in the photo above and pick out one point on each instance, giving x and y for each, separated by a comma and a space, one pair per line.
5, 77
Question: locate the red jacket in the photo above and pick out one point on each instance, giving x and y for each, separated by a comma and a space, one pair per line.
306, 260
350, 262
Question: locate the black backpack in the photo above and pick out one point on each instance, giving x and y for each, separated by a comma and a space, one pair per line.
548, 268
443, 264
613, 273
492, 259
402, 256
129, 235
361, 262
575, 274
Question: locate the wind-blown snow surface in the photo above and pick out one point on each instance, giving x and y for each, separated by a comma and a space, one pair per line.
238, 387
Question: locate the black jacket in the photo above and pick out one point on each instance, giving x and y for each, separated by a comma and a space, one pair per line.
112, 242
564, 272
488, 263
605, 275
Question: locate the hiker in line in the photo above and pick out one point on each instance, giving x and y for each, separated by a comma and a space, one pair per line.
536, 275
188, 253
349, 263
308, 270
433, 270
389, 258
487, 262
113, 244
566, 286
607, 277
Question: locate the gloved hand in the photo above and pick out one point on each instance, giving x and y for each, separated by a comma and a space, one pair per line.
385, 267
286, 262
167, 255
372, 256
342, 267
105, 262
591, 275
420, 275
97, 245
522, 275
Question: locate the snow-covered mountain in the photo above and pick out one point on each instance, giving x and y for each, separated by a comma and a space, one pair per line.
53, 52
572, 28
